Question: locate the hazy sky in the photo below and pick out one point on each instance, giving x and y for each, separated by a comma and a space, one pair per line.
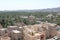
28, 4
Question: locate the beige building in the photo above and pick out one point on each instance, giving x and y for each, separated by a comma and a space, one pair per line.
15, 35
31, 18
3, 31
10, 28
50, 28
46, 29
5, 38
32, 33
19, 24
20, 29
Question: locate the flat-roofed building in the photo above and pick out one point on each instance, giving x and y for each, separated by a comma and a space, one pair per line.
19, 24
16, 35
25, 17
20, 29
5, 38
50, 28
31, 17
10, 28
31, 33
2, 31
35, 36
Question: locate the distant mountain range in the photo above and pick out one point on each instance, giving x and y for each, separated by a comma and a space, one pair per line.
39, 10
44, 10
51, 10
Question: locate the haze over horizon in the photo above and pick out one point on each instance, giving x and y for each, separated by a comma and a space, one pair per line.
28, 4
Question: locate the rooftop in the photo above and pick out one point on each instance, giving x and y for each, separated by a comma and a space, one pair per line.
20, 27
16, 31
3, 29
12, 26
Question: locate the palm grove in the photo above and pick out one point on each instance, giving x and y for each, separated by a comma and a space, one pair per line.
10, 17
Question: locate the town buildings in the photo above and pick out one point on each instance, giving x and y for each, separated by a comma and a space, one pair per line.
41, 31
